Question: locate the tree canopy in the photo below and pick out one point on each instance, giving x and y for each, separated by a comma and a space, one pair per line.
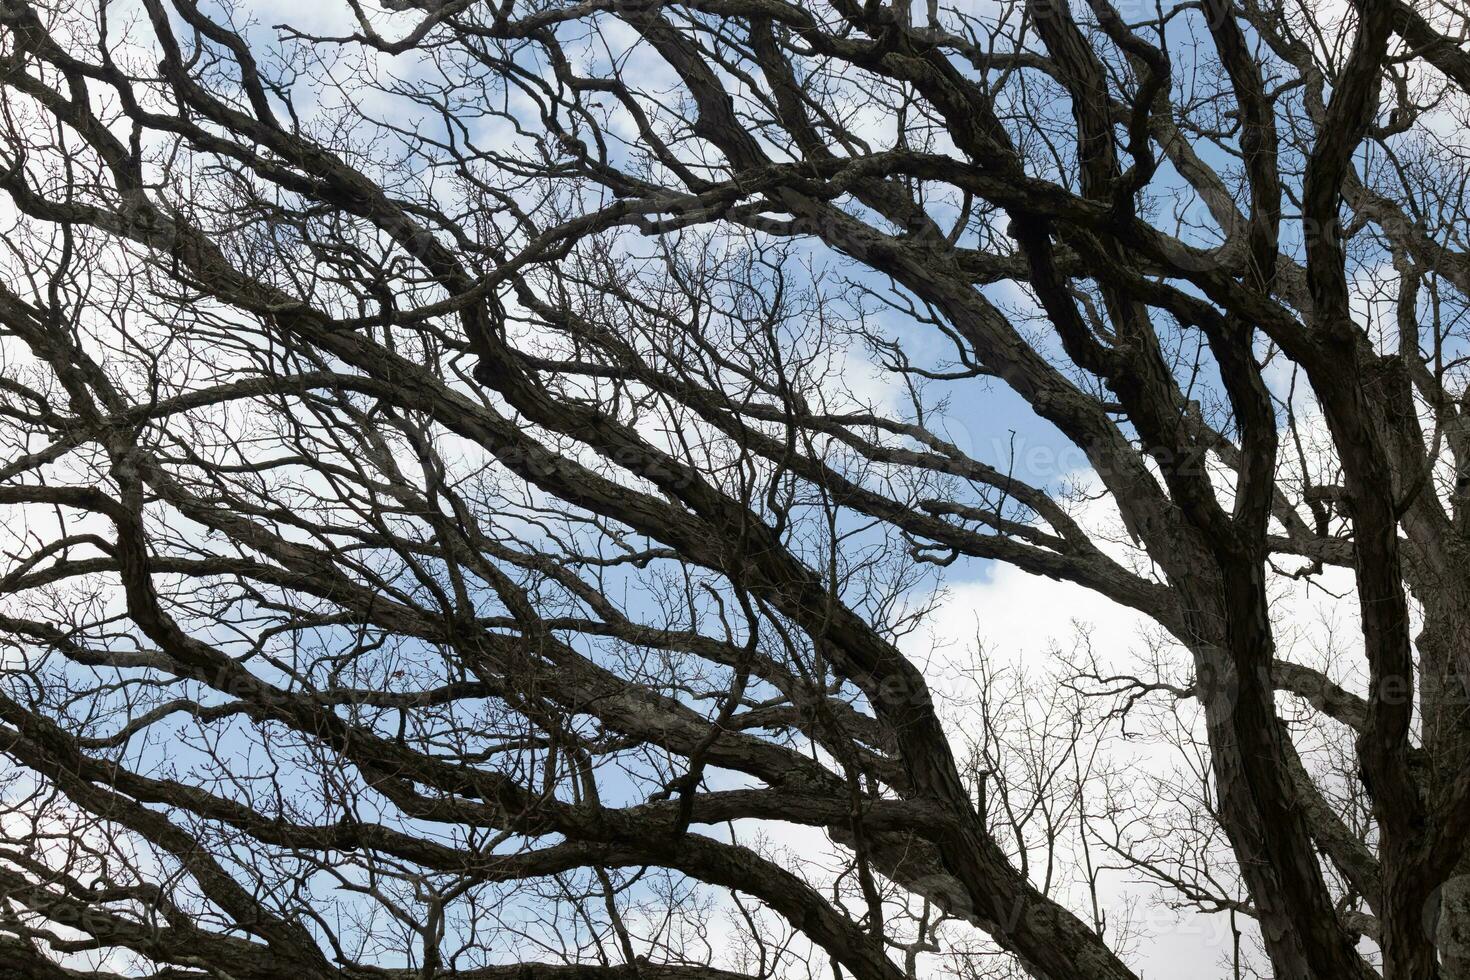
479, 476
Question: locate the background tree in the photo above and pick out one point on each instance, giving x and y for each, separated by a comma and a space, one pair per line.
451, 531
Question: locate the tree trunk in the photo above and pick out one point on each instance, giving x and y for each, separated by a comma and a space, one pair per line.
1453, 929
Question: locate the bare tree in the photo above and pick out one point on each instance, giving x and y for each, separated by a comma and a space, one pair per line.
451, 532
